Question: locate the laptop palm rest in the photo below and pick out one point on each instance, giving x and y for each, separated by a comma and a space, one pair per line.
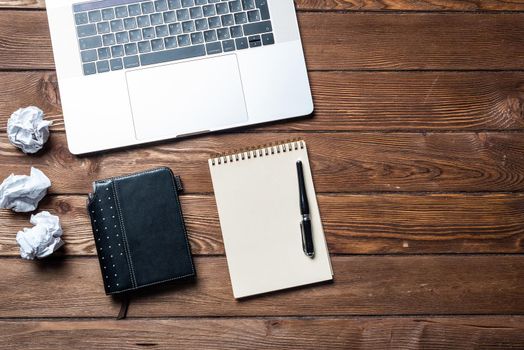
186, 98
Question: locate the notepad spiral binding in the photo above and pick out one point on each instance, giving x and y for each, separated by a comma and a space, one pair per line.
258, 152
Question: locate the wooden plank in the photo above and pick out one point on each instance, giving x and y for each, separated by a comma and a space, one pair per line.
354, 224
341, 162
363, 285
357, 5
339, 41
348, 100
273, 333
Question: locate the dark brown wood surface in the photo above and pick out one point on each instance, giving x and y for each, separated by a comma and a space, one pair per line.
417, 149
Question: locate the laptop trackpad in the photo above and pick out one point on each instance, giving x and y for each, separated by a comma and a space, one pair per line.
185, 98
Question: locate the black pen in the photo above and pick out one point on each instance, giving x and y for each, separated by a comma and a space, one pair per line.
305, 224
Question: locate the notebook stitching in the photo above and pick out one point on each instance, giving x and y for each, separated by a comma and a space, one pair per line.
149, 284
124, 236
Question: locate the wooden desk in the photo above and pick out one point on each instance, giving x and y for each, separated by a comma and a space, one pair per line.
417, 148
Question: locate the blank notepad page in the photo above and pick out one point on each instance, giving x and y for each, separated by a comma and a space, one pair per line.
257, 196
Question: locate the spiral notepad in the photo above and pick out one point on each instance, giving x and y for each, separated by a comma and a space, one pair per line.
257, 197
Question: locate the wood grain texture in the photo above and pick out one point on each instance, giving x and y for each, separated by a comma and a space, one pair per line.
353, 224
406, 333
358, 5
363, 285
339, 41
348, 101
341, 162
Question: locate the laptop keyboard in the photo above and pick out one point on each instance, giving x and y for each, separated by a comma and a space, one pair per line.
120, 34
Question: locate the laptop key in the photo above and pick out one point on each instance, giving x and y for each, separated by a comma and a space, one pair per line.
130, 23
148, 7
241, 43
117, 25
81, 18
182, 15
174, 4
213, 48
223, 33
161, 31
143, 21
268, 39
103, 27
117, 51
89, 55
104, 53
227, 20
121, 12
201, 24
170, 42
135, 35
253, 16
209, 10
86, 30
116, 64
172, 55
131, 62
122, 37
94, 16
197, 38
257, 28
214, 22
188, 26
196, 12
144, 47
109, 39
131, 49
169, 17
148, 33
102, 66
184, 40
160, 5
210, 35
156, 19
236, 31
228, 45
240, 18
89, 68
235, 6
222, 8
254, 41
188, 3
92, 42
157, 44
175, 28
248, 4
134, 10
108, 14
264, 9
200, 2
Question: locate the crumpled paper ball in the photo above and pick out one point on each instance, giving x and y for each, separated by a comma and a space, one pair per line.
27, 129
22, 193
42, 239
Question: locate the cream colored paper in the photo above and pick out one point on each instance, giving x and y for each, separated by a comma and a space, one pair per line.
257, 197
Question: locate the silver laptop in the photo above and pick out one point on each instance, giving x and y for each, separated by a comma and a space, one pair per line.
132, 72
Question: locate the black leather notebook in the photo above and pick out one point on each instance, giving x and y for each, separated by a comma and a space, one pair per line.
139, 230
